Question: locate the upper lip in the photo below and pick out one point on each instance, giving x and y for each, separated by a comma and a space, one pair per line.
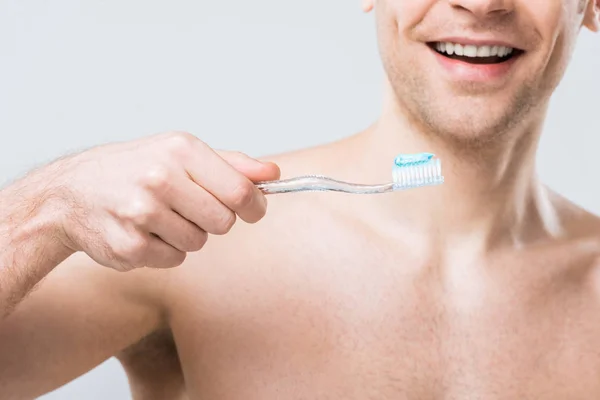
479, 41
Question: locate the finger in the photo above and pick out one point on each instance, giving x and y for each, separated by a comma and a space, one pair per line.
200, 207
224, 182
253, 169
132, 248
162, 255
177, 231
150, 214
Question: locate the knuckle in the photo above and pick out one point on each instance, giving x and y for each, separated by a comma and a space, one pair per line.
224, 223
242, 195
175, 259
181, 135
157, 178
198, 241
171, 259
260, 213
181, 143
140, 212
131, 252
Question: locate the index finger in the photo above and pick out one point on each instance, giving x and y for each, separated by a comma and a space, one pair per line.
228, 185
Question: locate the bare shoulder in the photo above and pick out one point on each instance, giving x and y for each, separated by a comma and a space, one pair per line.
576, 242
320, 159
578, 222
205, 283
287, 232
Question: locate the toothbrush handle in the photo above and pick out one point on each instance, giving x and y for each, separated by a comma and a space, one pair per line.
320, 183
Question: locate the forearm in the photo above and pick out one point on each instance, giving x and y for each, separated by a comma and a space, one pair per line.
30, 241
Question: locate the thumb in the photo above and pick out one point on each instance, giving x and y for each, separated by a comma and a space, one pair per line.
252, 168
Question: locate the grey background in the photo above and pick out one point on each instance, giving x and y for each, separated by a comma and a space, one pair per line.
260, 77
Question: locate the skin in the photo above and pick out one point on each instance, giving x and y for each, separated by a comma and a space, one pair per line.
484, 287
147, 213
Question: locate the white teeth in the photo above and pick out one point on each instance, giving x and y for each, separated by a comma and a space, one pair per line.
507, 51
470, 51
458, 49
483, 51
473, 51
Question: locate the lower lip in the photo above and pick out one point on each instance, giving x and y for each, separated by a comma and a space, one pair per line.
464, 71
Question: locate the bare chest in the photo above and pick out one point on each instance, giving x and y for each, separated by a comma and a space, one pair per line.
388, 332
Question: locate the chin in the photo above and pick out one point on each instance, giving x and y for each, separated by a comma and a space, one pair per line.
469, 120
472, 133
475, 128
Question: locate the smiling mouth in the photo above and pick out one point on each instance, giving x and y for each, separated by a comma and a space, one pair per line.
475, 54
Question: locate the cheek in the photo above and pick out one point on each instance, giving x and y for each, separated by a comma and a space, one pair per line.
402, 56
404, 14
557, 23
551, 18
396, 20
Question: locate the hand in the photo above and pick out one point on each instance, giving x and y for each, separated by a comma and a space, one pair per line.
148, 202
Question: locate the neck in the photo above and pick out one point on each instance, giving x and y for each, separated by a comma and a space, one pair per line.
491, 195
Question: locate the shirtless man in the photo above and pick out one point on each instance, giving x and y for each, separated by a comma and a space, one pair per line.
487, 287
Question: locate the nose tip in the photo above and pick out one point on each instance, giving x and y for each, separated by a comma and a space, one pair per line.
484, 8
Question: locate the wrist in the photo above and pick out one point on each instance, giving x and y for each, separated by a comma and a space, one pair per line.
38, 230
30, 242
33, 209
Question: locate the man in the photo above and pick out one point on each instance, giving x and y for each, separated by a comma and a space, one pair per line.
485, 287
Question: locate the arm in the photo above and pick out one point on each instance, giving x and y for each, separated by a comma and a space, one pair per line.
126, 206
141, 204
79, 316
30, 238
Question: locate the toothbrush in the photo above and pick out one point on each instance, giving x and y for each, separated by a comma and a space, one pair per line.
409, 171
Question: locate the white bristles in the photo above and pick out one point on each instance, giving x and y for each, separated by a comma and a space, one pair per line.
426, 174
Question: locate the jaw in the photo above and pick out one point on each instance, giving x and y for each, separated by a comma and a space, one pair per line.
466, 102
468, 117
